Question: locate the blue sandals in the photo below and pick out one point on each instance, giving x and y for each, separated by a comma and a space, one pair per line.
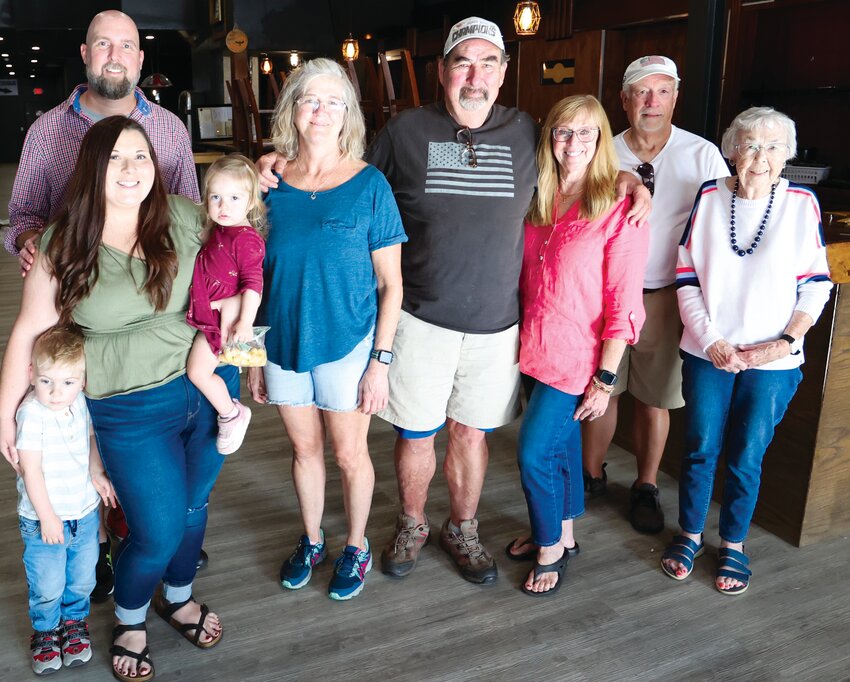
685, 551
737, 563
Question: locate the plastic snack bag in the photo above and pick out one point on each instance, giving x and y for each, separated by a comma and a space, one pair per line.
246, 354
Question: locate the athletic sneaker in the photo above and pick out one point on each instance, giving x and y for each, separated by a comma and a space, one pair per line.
297, 570
105, 584
350, 572
46, 656
76, 644
231, 433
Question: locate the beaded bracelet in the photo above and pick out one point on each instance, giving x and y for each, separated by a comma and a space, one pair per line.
605, 388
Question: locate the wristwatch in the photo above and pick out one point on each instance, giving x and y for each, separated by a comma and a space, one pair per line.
791, 341
606, 377
383, 356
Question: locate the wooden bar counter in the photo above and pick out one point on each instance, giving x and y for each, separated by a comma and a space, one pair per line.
805, 489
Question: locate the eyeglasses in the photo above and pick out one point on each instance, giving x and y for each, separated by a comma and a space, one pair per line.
583, 134
647, 177
771, 149
464, 136
333, 106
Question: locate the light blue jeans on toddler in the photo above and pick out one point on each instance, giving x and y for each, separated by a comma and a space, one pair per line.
60, 577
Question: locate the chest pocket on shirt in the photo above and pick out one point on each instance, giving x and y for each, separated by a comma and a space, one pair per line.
334, 224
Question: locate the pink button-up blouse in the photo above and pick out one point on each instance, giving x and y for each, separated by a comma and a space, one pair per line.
581, 283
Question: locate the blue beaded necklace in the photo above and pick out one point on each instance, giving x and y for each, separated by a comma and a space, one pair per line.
733, 239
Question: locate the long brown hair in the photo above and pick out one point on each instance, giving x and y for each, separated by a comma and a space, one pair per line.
72, 253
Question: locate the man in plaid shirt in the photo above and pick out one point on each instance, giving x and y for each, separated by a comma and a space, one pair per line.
113, 62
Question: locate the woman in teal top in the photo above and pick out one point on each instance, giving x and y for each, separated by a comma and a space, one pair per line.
333, 295
118, 262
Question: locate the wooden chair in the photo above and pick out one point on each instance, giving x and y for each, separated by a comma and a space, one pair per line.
240, 120
254, 126
369, 94
408, 88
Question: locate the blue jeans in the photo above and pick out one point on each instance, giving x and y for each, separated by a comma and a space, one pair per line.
60, 577
158, 447
550, 462
735, 414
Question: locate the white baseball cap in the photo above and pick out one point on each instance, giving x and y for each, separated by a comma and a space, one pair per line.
650, 66
473, 27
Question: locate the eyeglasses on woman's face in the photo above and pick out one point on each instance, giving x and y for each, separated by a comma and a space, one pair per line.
583, 134
332, 105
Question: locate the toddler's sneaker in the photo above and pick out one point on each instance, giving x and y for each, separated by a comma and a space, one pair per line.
350, 572
297, 570
46, 656
231, 433
76, 644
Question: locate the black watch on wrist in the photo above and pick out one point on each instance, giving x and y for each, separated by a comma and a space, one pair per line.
606, 377
791, 341
383, 356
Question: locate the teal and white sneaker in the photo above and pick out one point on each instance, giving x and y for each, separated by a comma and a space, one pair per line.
297, 570
350, 572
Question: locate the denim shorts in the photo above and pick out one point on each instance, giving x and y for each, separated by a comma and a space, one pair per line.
332, 386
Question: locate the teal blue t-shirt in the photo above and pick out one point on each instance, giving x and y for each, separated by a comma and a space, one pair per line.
320, 291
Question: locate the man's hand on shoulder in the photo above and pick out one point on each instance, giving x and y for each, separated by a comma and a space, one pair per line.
26, 246
267, 166
630, 185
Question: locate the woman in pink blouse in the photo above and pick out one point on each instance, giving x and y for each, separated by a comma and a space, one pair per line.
581, 288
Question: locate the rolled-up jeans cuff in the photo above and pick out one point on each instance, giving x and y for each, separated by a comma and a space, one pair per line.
176, 594
132, 616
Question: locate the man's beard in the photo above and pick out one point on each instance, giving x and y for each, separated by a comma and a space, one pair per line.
109, 87
473, 103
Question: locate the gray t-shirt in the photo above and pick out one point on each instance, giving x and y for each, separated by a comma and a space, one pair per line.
465, 225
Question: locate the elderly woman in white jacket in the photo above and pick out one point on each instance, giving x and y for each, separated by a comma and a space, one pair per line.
752, 279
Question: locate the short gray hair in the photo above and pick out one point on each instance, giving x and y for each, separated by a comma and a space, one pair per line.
754, 118
352, 137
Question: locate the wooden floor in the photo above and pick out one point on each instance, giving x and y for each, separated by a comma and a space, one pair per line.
616, 618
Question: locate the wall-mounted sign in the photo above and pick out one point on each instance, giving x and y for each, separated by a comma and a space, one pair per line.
561, 72
9, 87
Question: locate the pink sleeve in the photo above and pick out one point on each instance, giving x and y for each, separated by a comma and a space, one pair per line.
625, 262
250, 252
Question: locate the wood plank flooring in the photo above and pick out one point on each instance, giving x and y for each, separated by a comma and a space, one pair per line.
616, 618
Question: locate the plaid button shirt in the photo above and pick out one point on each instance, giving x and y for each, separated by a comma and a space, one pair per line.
50, 154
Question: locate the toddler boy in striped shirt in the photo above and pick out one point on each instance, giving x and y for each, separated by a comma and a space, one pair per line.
60, 486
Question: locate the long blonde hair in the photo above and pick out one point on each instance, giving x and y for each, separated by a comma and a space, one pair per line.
600, 181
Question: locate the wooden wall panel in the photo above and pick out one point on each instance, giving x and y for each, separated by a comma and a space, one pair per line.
585, 48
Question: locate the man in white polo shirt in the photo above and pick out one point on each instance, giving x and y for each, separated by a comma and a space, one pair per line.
672, 163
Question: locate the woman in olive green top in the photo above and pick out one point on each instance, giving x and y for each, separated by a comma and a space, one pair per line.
118, 262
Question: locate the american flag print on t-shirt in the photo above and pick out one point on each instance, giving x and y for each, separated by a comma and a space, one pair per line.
449, 171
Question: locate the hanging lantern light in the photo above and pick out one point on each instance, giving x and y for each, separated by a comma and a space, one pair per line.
526, 18
266, 65
350, 49
294, 60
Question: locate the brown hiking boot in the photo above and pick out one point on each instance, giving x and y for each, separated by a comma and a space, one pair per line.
401, 553
473, 561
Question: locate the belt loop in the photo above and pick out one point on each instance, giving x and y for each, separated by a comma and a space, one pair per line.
72, 526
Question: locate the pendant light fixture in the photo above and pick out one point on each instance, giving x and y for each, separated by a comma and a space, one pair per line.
350, 48
266, 64
526, 18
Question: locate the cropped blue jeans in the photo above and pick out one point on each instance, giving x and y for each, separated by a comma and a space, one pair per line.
549, 458
158, 447
734, 414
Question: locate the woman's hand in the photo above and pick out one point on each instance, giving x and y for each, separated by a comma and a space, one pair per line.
257, 385
267, 166
594, 404
8, 435
374, 389
104, 488
758, 354
725, 356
